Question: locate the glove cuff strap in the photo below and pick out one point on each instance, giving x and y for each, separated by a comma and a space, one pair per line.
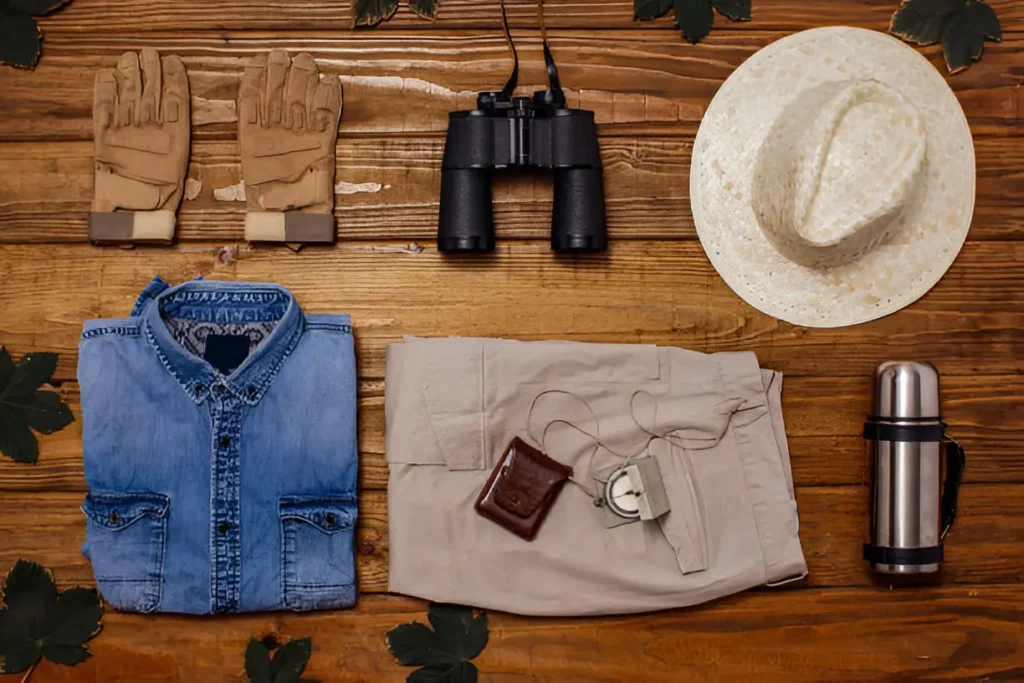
290, 227
142, 227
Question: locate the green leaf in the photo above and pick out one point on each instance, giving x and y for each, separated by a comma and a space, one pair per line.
463, 672
20, 39
920, 21
290, 659
645, 10
17, 441
414, 644
77, 617
44, 412
19, 653
964, 35
6, 367
38, 621
23, 405
31, 372
425, 8
31, 598
694, 18
257, 662
467, 635
68, 655
372, 12
443, 653
37, 8
737, 10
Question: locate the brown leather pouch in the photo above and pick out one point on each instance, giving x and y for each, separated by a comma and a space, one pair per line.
522, 488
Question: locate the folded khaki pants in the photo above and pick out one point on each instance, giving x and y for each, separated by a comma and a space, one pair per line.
453, 405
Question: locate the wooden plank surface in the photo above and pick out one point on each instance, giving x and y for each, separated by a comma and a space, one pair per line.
959, 632
644, 292
636, 81
824, 419
390, 188
985, 548
649, 90
219, 15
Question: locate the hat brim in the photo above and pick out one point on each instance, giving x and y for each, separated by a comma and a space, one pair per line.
919, 249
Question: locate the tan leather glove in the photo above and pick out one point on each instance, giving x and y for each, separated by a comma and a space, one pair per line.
287, 129
142, 132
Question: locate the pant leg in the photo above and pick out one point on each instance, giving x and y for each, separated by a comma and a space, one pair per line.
710, 544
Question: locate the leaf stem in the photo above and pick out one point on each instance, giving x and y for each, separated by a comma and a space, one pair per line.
29, 672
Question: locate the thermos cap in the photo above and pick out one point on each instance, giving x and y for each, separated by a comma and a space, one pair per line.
907, 389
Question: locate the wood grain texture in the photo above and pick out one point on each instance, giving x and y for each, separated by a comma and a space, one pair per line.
986, 546
390, 189
958, 632
637, 81
649, 90
824, 418
220, 15
644, 292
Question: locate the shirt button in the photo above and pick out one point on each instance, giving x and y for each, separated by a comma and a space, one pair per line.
221, 388
200, 388
223, 528
329, 518
252, 391
114, 517
225, 442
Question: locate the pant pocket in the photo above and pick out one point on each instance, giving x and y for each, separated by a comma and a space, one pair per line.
317, 563
126, 537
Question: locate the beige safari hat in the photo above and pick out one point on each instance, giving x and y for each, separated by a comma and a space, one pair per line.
832, 179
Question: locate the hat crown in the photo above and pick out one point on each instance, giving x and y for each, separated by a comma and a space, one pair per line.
836, 169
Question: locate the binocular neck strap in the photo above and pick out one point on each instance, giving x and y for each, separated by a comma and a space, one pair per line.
513, 78
549, 61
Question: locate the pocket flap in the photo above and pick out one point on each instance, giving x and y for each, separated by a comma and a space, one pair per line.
326, 514
120, 510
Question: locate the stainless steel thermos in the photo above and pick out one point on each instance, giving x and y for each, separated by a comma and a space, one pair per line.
911, 508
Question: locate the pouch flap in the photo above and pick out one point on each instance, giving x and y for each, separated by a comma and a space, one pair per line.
325, 513
119, 510
527, 480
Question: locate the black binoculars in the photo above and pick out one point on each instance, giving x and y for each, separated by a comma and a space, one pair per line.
522, 132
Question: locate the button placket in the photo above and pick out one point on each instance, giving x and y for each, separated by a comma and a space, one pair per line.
226, 411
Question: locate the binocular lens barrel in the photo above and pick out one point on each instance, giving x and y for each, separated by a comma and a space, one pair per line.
578, 217
466, 220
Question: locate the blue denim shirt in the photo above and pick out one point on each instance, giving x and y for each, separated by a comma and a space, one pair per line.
219, 430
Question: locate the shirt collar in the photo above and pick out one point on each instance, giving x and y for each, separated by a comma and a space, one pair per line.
213, 300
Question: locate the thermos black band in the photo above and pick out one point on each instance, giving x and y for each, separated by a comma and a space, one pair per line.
912, 556
885, 431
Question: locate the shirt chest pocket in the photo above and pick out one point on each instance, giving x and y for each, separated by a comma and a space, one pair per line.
126, 536
317, 563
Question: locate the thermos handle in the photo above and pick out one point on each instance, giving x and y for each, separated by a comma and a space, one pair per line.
955, 461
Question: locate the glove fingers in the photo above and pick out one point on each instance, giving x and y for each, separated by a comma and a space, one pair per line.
327, 104
277, 71
104, 100
175, 99
129, 89
302, 72
250, 99
149, 101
